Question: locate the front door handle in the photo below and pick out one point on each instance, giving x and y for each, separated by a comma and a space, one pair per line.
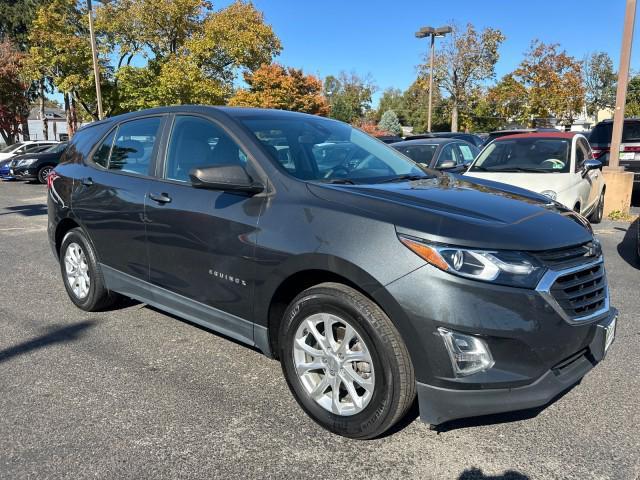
87, 182
160, 197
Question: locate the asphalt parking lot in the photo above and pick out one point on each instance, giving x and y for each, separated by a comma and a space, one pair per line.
136, 393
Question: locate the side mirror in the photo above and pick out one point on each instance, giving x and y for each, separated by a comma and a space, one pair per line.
447, 164
230, 178
592, 164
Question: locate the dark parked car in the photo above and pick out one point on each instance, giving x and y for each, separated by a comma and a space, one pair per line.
600, 139
467, 137
37, 166
440, 153
389, 138
5, 165
371, 280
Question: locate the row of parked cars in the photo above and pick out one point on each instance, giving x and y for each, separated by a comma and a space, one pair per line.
30, 160
560, 165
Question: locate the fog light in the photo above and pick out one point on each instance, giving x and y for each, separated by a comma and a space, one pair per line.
468, 354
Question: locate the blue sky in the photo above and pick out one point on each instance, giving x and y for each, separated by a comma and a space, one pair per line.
377, 37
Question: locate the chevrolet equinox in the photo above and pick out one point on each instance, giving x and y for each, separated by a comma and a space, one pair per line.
371, 278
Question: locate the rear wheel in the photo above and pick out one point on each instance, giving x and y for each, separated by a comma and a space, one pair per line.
596, 216
43, 173
345, 362
81, 273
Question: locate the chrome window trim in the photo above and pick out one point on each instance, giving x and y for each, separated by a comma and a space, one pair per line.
550, 277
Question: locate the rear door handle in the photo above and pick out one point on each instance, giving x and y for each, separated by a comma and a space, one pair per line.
160, 197
88, 181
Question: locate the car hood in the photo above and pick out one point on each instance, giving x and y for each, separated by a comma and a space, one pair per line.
463, 211
536, 182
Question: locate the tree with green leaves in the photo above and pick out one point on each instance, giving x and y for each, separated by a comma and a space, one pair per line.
194, 54
466, 59
509, 100
274, 86
390, 123
391, 99
600, 82
349, 96
15, 20
632, 106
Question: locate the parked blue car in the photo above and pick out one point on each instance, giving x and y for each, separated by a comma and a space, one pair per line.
4, 170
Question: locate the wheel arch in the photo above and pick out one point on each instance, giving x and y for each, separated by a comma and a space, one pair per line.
62, 229
315, 270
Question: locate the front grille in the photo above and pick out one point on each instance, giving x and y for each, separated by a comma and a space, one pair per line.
581, 293
569, 257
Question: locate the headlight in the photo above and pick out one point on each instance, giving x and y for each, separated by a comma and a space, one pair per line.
504, 267
25, 162
549, 193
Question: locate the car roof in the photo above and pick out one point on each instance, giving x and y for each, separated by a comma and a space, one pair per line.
566, 135
235, 112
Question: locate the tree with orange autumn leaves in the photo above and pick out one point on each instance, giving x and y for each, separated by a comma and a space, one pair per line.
286, 88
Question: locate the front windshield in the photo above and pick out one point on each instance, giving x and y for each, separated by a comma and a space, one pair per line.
418, 153
11, 148
56, 148
315, 148
525, 155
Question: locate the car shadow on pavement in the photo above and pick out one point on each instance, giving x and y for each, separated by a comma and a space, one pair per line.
628, 248
60, 334
476, 474
27, 210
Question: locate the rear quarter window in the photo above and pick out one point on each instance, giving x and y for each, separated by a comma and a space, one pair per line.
83, 142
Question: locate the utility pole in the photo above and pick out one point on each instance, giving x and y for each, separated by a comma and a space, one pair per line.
432, 33
623, 80
96, 68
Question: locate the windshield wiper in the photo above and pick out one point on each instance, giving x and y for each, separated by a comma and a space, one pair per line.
404, 178
478, 168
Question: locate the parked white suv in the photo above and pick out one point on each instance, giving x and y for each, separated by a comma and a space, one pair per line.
23, 147
559, 165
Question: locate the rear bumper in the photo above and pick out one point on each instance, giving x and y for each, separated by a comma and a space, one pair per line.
439, 405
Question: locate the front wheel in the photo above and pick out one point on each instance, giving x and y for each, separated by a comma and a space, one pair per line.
596, 216
345, 362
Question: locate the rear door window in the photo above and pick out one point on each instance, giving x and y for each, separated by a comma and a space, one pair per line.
101, 155
134, 146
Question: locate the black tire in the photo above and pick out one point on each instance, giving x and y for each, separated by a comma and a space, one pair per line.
43, 172
98, 297
394, 382
596, 216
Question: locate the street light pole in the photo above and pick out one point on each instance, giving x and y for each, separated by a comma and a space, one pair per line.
433, 50
432, 33
96, 68
623, 80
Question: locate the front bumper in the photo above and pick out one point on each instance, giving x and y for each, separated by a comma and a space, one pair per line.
22, 173
439, 405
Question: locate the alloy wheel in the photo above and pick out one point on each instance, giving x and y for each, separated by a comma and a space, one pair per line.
333, 364
77, 270
43, 174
